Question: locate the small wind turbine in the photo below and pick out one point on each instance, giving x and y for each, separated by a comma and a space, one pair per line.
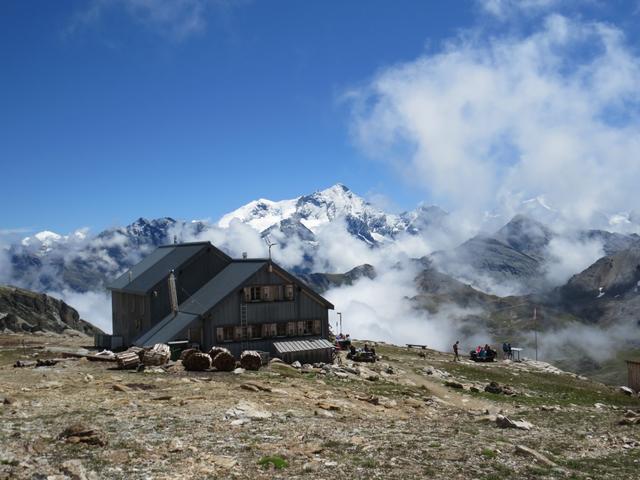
267, 240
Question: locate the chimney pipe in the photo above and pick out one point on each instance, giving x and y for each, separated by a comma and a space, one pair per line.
244, 255
130, 276
173, 293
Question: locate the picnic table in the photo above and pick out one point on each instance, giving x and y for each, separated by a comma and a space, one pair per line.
517, 351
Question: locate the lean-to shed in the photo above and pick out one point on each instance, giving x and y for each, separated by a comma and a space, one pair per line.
305, 351
633, 367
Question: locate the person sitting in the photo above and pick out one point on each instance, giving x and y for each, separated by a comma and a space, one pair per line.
352, 349
483, 353
366, 347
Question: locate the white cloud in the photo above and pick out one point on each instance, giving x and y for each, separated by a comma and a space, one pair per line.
506, 8
485, 121
567, 257
94, 307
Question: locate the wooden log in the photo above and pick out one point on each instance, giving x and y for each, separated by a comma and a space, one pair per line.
224, 361
250, 360
197, 362
216, 350
127, 360
159, 354
186, 353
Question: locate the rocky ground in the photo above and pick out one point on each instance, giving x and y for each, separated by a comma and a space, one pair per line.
415, 414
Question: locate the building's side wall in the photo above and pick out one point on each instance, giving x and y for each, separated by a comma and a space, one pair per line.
634, 375
130, 315
227, 313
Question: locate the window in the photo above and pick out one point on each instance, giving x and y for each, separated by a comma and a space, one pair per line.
219, 334
254, 331
237, 333
269, 330
288, 292
308, 327
278, 292
281, 329
247, 294
291, 329
255, 294
301, 326
317, 327
228, 333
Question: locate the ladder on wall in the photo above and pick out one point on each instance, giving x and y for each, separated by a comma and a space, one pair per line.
243, 326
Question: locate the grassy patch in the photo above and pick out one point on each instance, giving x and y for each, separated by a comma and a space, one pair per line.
488, 453
542, 388
277, 461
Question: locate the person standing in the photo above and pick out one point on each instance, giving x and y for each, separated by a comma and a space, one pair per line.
456, 357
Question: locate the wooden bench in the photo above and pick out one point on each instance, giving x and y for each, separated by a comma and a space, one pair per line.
413, 345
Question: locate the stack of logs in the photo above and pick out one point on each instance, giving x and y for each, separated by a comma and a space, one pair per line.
157, 355
192, 358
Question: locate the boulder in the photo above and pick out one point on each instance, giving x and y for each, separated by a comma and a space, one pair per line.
455, 385
493, 387
505, 422
627, 391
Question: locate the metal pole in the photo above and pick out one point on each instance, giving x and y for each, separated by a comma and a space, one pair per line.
535, 326
340, 315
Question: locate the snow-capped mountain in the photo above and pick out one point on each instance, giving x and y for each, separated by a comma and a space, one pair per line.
323, 207
305, 229
48, 261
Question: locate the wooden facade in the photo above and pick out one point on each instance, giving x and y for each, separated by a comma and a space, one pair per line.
633, 367
302, 307
240, 304
135, 313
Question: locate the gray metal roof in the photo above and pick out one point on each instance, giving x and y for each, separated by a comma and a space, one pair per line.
156, 266
165, 330
302, 345
216, 289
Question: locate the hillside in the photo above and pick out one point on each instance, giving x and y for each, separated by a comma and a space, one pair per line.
415, 414
26, 311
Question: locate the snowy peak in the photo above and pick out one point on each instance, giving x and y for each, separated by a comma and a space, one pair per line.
260, 214
316, 210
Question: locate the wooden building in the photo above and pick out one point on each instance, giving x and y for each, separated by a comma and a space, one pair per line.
197, 293
633, 367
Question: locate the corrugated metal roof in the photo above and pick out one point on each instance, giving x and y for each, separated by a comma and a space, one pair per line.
216, 289
165, 330
302, 345
156, 266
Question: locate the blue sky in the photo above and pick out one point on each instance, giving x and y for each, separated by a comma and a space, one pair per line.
111, 110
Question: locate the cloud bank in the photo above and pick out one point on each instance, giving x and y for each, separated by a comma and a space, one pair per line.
487, 123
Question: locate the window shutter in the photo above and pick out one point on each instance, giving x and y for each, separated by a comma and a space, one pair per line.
247, 294
266, 293
288, 292
220, 334
317, 327
300, 328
